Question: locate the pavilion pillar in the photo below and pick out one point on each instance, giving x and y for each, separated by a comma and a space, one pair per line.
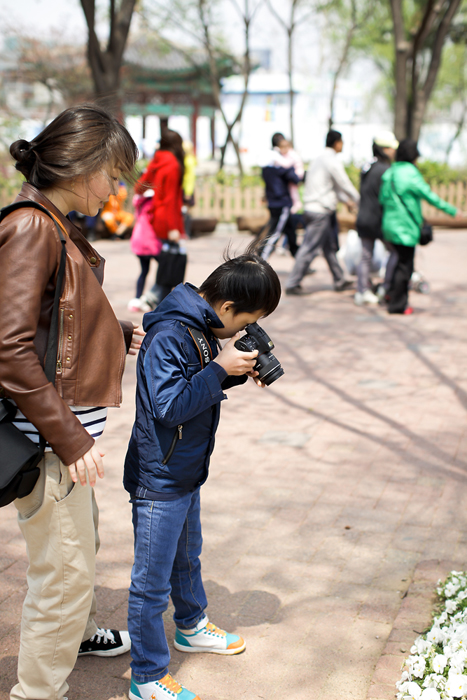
193, 124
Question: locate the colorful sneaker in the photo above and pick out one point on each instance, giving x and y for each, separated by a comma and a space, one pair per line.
106, 643
207, 637
165, 689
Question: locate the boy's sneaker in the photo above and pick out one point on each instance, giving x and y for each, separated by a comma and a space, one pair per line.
207, 637
106, 643
165, 689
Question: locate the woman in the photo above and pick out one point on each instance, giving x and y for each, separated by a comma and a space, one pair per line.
402, 190
370, 212
164, 175
75, 163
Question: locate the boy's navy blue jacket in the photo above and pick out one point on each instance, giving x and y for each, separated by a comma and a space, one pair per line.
277, 185
177, 402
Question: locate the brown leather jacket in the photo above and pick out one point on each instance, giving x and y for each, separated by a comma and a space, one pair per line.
92, 343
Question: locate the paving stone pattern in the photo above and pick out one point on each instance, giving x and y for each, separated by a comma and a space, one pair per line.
327, 491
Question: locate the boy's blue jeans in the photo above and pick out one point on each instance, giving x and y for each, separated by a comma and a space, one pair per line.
168, 544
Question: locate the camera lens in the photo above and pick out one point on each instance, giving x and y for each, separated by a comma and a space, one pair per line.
269, 368
272, 375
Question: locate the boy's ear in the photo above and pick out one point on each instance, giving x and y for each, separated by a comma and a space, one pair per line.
225, 308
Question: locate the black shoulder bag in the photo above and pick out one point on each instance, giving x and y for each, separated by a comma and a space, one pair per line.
20, 456
171, 265
426, 231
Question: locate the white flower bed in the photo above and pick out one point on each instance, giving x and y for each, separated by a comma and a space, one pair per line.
437, 667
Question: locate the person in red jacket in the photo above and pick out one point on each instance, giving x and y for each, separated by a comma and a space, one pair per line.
164, 175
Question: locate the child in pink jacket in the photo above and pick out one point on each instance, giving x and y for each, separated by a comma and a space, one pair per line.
145, 244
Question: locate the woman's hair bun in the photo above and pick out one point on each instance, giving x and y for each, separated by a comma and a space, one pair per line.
22, 151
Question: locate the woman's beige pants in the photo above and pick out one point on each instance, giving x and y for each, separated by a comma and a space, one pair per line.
59, 523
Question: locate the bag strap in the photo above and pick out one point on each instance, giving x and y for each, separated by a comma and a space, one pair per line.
51, 352
202, 346
403, 203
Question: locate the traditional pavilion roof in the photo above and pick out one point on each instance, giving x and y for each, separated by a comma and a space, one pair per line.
153, 65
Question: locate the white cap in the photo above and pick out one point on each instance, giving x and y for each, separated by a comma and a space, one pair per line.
386, 139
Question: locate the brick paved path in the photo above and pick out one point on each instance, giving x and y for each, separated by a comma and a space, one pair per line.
326, 490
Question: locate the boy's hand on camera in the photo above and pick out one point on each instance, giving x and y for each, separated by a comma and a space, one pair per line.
235, 362
254, 376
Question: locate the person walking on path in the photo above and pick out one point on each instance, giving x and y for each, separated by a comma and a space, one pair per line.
75, 163
188, 184
181, 379
326, 183
402, 190
277, 179
164, 175
145, 245
370, 214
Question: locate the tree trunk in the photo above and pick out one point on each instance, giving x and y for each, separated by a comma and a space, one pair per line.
342, 64
290, 74
106, 64
410, 104
402, 50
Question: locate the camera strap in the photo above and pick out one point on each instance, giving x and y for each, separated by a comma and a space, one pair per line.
202, 345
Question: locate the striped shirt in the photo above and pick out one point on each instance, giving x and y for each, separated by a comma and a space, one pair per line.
92, 419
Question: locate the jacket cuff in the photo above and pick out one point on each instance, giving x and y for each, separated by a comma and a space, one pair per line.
127, 328
68, 457
214, 375
220, 371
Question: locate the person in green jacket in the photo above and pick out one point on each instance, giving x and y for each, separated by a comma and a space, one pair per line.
402, 190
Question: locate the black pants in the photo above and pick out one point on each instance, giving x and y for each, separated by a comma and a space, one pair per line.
399, 290
145, 261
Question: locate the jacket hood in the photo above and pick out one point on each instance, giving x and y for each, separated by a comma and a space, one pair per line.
165, 159
186, 305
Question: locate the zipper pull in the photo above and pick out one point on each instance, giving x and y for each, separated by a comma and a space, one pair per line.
180, 428
59, 366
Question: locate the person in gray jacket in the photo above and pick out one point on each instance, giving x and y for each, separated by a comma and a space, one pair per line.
326, 183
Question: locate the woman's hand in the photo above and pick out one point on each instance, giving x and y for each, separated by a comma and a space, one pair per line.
173, 235
235, 362
91, 462
136, 340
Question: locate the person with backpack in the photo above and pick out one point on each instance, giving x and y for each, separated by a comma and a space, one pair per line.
75, 163
370, 213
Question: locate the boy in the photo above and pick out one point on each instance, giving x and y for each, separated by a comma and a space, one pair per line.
179, 390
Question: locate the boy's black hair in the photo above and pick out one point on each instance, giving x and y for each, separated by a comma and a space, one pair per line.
408, 151
277, 138
333, 137
247, 280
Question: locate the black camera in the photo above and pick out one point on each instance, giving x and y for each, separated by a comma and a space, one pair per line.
267, 365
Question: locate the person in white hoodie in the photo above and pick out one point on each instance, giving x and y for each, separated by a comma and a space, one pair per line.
326, 183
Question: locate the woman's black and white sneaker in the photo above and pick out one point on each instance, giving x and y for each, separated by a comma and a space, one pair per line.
106, 643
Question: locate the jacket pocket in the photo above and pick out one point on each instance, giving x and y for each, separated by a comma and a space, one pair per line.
177, 436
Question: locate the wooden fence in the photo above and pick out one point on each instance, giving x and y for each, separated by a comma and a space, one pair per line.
228, 202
